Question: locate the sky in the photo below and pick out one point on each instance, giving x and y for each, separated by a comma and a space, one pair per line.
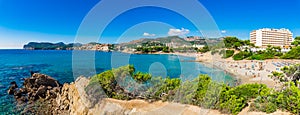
23, 21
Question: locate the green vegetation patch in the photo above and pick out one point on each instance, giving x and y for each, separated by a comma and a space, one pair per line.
124, 83
293, 54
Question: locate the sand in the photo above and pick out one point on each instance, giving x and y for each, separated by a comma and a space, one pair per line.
247, 71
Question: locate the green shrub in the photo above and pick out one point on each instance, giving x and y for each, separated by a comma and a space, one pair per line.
293, 54
141, 77
242, 55
203, 83
204, 49
226, 53
233, 105
186, 92
108, 81
289, 99
258, 57
233, 100
168, 86
213, 52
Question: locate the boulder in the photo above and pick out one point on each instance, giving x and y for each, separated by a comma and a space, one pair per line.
41, 79
29, 83
41, 92
18, 94
12, 88
35, 87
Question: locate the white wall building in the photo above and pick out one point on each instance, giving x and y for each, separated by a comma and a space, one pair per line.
274, 37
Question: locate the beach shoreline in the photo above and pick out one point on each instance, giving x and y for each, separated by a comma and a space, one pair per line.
247, 71
243, 71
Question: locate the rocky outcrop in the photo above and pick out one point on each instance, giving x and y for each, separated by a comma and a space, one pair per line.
73, 98
13, 88
38, 86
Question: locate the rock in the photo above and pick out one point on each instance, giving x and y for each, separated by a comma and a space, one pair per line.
14, 84
56, 89
41, 79
23, 90
29, 83
47, 96
12, 88
49, 88
50, 94
23, 99
41, 92
18, 94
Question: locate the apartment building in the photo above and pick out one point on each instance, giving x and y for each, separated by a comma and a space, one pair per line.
274, 37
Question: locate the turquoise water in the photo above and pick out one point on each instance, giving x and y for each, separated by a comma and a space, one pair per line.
64, 66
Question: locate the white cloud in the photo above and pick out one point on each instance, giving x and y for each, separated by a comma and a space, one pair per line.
148, 34
178, 32
223, 31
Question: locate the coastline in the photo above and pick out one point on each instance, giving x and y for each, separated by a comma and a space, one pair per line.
232, 67
73, 99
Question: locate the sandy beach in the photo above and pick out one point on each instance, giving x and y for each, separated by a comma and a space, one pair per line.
247, 71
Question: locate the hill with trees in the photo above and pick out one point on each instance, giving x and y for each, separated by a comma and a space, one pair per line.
49, 46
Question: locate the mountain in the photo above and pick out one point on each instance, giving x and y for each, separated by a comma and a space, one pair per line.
175, 40
48, 45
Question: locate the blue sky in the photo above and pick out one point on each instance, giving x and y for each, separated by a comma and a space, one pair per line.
23, 21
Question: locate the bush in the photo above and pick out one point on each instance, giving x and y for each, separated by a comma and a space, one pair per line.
258, 57
168, 86
289, 99
141, 77
186, 92
204, 49
235, 99
265, 104
108, 81
293, 54
213, 52
227, 53
233, 105
203, 83
242, 55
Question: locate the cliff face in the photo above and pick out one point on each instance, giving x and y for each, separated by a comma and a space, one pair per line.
71, 98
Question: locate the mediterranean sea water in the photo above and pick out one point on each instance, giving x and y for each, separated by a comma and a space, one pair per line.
15, 65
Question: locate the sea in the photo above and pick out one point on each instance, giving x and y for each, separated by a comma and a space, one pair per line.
67, 65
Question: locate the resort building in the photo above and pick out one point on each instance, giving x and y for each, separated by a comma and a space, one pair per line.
274, 37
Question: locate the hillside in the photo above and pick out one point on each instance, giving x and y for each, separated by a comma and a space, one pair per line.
175, 40
48, 46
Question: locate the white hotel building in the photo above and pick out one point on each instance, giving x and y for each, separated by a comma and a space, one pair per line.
274, 37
